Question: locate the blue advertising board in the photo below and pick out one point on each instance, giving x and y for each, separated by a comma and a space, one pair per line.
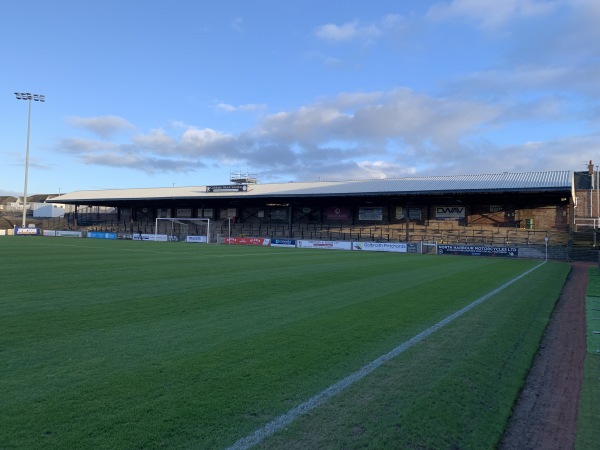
283, 243
27, 231
101, 235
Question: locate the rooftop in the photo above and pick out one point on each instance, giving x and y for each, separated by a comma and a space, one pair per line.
485, 183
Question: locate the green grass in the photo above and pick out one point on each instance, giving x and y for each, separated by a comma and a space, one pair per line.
120, 344
454, 390
588, 429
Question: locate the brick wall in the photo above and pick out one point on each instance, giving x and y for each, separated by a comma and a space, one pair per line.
587, 203
546, 218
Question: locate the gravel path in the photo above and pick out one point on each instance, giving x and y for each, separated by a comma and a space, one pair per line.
545, 415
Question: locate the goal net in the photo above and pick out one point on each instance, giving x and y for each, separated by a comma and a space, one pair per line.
183, 230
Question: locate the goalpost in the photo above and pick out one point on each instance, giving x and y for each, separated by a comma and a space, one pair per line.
186, 230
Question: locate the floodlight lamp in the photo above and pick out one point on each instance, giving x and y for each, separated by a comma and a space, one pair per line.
23, 95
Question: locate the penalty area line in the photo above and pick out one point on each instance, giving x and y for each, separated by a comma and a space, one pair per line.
285, 419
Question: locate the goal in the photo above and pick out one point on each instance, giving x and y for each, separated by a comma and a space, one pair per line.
184, 230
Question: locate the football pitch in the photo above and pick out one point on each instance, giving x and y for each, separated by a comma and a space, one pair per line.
132, 344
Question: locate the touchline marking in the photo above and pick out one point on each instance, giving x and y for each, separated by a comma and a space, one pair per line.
280, 422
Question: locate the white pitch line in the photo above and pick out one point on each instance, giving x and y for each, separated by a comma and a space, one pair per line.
310, 404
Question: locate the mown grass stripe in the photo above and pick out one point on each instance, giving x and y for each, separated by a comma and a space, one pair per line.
280, 422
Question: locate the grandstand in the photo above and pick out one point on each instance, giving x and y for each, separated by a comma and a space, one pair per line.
498, 209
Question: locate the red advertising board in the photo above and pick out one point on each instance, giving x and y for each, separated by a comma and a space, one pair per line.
334, 213
247, 241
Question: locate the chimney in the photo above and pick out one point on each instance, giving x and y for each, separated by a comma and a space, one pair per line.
591, 168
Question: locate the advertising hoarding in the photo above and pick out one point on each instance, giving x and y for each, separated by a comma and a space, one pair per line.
370, 213
290, 243
334, 213
478, 250
327, 245
450, 212
101, 235
399, 247
247, 241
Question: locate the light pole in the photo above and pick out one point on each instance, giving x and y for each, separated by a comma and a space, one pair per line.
596, 224
229, 230
36, 98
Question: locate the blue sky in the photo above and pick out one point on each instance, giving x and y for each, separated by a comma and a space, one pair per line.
184, 92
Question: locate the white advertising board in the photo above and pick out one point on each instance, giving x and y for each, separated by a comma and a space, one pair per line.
327, 245
201, 239
27, 231
68, 233
399, 247
150, 237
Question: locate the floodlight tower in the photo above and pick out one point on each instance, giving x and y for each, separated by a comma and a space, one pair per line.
36, 98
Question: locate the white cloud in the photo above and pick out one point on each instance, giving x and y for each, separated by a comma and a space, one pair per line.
237, 24
156, 139
204, 143
81, 145
145, 163
347, 32
249, 107
103, 126
374, 134
491, 13
383, 169
362, 31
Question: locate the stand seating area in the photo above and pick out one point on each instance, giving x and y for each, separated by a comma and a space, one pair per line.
446, 232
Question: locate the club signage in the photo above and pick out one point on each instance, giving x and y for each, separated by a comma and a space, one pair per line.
449, 212
27, 231
478, 250
227, 187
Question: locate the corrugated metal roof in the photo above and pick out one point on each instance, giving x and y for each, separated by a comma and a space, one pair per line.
502, 182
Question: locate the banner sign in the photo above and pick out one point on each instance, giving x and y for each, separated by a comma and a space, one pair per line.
413, 247
183, 212
27, 231
291, 243
206, 213
101, 235
200, 239
333, 213
227, 187
227, 213
247, 241
278, 214
400, 247
449, 212
67, 233
476, 250
150, 237
413, 213
328, 245
374, 213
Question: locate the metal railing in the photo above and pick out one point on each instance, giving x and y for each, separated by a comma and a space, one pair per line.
587, 222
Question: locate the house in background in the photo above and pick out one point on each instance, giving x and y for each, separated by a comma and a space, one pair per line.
6, 201
37, 206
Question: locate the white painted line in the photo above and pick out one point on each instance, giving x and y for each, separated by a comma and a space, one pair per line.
310, 404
